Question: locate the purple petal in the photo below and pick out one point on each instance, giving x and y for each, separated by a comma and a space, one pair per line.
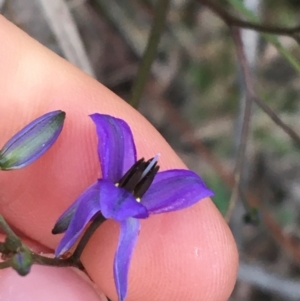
173, 190
119, 204
116, 148
64, 220
87, 208
128, 237
32, 141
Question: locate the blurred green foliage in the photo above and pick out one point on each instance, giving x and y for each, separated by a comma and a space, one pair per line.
222, 193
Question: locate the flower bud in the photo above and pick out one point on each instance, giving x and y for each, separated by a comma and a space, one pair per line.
32, 141
21, 262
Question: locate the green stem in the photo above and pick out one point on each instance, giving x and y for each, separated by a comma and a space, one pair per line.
5, 264
13, 244
150, 52
6, 228
57, 262
73, 260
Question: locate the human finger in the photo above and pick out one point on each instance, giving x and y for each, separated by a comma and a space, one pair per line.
189, 254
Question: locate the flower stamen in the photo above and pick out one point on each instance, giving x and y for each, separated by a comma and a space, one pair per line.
152, 163
132, 176
139, 177
148, 178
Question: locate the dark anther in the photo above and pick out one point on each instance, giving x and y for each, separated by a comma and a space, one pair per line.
145, 183
134, 173
133, 181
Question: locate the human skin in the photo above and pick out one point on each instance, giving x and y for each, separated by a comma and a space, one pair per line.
184, 255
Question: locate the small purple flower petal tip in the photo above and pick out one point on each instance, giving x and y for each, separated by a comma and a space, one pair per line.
32, 141
129, 190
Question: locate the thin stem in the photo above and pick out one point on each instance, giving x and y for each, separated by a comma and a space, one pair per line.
7, 229
288, 130
231, 20
250, 88
13, 243
87, 235
5, 264
150, 52
240, 161
57, 262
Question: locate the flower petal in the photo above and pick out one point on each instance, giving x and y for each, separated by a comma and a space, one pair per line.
119, 204
173, 190
64, 220
128, 237
116, 148
87, 208
32, 141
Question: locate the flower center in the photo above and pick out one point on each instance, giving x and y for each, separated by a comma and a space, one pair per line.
139, 177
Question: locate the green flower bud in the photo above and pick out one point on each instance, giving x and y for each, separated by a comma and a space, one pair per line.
32, 141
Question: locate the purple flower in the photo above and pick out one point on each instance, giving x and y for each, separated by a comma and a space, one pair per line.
32, 141
129, 190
